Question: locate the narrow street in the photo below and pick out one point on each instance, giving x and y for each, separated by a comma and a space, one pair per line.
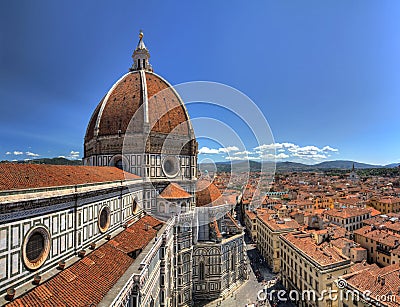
247, 294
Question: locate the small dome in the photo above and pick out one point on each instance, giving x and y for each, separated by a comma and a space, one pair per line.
207, 194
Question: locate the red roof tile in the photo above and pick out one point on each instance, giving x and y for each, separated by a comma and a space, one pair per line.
166, 112
15, 176
174, 191
207, 194
88, 280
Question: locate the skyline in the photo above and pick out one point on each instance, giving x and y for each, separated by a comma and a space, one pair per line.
325, 76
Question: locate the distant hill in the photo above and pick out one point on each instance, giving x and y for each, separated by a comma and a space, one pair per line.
54, 161
342, 164
293, 166
392, 165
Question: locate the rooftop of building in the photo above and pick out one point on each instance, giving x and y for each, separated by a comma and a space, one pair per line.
88, 280
15, 176
378, 281
380, 234
324, 254
174, 191
277, 224
347, 212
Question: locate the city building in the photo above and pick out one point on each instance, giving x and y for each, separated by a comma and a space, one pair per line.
371, 286
348, 218
312, 267
381, 244
385, 205
269, 228
250, 222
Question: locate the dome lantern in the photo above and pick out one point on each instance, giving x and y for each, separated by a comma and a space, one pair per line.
141, 56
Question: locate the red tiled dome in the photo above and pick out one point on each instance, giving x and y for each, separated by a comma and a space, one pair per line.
207, 194
166, 111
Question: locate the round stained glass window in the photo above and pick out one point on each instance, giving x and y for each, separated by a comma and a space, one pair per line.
36, 247
104, 219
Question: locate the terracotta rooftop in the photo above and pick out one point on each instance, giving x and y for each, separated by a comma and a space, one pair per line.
174, 191
324, 254
87, 281
379, 282
207, 194
363, 266
390, 221
389, 200
278, 224
251, 214
15, 176
382, 236
347, 212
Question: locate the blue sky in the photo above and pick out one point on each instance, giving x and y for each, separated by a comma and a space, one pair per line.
323, 73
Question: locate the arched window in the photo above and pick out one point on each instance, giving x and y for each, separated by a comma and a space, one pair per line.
119, 164
134, 206
183, 206
162, 208
201, 270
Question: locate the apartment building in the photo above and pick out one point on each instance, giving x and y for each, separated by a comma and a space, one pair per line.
385, 205
308, 266
269, 228
381, 284
382, 245
250, 222
348, 218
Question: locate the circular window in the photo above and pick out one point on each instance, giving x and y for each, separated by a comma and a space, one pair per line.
171, 166
104, 219
36, 247
119, 164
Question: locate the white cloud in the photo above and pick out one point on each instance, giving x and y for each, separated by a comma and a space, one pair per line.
17, 153
31, 154
214, 151
243, 153
282, 156
290, 150
275, 151
228, 149
74, 155
269, 156
208, 151
231, 158
61, 157
329, 148
8, 153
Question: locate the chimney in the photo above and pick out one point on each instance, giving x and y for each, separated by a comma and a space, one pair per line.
146, 226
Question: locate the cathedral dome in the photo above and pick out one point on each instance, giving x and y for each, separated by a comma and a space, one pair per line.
166, 111
140, 102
